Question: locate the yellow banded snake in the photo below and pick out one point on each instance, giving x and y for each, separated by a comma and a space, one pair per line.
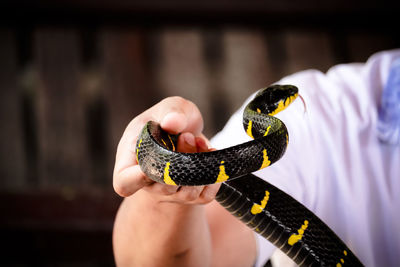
267, 210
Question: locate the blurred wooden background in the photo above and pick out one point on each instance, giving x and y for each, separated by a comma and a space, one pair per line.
74, 73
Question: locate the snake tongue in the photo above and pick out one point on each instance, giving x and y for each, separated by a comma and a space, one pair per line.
304, 103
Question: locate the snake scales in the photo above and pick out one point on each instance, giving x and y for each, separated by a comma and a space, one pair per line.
279, 218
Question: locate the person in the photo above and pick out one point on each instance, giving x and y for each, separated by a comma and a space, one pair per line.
335, 164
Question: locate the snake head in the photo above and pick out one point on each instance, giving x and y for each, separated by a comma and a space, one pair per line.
274, 98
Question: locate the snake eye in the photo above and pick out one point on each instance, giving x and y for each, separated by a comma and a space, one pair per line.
290, 90
283, 93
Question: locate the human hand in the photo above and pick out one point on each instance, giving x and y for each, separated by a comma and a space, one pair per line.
175, 115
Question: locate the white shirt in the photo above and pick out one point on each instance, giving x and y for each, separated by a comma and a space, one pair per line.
335, 165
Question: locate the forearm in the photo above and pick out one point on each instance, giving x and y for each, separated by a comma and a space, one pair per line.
152, 233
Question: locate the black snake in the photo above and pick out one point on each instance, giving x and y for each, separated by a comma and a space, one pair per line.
275, 215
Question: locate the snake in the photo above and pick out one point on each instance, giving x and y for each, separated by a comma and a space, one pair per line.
266, 209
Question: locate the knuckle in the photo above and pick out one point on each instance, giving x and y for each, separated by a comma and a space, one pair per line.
209, 194
178, 101
167, 190
207, 198
191, 194
191, 197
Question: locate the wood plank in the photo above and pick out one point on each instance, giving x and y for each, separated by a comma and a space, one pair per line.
86, 209
44, 247
182, 69
12, 157
247, 66
63, 159
277, 53
362, 44
62, 227
127, 82
96, 125
214, 59
308, 50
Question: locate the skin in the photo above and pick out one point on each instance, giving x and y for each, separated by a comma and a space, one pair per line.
163, 225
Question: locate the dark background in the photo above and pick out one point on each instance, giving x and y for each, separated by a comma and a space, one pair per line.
74, 73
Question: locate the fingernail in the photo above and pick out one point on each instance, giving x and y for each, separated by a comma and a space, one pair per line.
189, 139
201, 143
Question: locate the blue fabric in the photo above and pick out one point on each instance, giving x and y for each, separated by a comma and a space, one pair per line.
389, 110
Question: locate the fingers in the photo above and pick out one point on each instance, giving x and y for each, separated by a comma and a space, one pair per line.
129, 180
193, 194
187, 144
209, 193
187, 194
175, 115
180, 115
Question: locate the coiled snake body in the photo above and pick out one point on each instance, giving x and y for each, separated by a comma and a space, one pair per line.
281, 219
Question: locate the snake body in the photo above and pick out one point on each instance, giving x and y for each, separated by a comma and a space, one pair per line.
267, 210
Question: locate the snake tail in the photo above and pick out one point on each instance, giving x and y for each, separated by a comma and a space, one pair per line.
285, 222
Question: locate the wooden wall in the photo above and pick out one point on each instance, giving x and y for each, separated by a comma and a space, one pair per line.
68, 89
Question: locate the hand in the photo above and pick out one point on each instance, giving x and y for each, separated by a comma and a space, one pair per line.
175, 115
